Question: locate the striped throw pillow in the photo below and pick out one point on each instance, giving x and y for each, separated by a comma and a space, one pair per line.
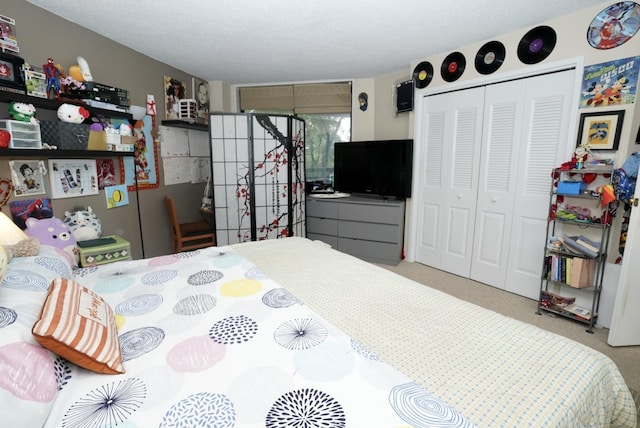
80, 326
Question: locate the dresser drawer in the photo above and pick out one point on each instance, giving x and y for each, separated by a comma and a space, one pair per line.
376, 252
369, 231
324, 209
379, 213
323, 226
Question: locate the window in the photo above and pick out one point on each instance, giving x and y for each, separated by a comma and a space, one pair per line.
325, 108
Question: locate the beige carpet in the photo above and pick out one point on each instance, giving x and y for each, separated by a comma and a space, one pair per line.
626, 358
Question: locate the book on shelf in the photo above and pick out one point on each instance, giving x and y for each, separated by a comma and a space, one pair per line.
588, 243
578, 311
572, 245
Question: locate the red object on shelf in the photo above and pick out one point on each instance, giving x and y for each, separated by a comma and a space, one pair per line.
5, 138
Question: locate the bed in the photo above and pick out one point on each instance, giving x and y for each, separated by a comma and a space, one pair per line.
287, 333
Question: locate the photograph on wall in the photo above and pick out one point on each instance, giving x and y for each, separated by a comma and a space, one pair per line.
106, 173
71, 178
600, 131
117, 196
200, 93
174, 90
22, 209
610, 83
27, 177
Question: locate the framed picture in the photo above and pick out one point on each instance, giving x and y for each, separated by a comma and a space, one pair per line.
200, 93
11, 75
27, 177
175, 91
73, 177
600, 131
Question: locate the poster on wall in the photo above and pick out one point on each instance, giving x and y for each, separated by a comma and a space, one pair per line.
610, 83
200, 93
143, 167
175, 91
71, 178
22, 209
27, 177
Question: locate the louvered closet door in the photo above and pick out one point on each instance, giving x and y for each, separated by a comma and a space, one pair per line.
451, 136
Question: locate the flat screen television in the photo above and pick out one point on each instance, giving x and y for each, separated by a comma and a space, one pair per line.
380, 168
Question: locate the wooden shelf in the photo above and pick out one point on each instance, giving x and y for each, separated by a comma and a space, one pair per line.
185, 124
63, 154
44, 103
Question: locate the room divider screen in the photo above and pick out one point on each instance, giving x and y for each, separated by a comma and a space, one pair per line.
258, 176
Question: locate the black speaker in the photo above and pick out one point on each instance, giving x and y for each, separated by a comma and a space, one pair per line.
404, 96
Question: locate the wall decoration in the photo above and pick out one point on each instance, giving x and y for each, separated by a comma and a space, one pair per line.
8, 41
73, 177
143, 167
422, 74
22, 209
174, 91
537, 44
106, 173
610, 83
363, 100
200, 93
614, 25
453, 66
600, 131
27, 177
117, 196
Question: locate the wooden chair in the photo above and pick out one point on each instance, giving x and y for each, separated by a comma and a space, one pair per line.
188, 236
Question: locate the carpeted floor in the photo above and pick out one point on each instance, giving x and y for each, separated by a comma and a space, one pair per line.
626, 358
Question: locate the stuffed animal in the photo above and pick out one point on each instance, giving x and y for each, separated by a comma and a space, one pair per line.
23, 112
25, 248
53, 232
72, 113
83, 224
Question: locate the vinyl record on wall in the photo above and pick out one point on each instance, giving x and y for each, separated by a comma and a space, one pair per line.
453, 66
537, 44
490, 57
422, 74
614, 25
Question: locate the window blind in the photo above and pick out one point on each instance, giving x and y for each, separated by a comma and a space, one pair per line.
299, 99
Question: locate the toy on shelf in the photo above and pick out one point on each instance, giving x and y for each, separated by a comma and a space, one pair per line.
80, 71
24, 112
72, 113
53, 75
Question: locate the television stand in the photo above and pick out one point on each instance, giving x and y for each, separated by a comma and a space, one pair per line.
363, 226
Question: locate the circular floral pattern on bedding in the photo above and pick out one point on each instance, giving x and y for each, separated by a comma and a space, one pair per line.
106, 406
25, 280
63, 371
301, 333
233, 330
419, 408
140, 341
306, 408
204, 277
240, 288
255, 273
204, 409
227, 260
55, 264
195, 354
360, 349
195, 305
158, 277
279, 298
139, 305
7, 316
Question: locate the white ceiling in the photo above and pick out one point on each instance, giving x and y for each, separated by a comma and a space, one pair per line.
269, 41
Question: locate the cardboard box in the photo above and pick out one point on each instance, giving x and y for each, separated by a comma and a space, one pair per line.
583, 272
97, 140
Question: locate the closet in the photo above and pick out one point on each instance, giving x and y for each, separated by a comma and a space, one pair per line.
257, 163
483, 174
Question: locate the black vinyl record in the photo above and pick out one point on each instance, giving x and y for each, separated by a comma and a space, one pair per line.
490, 57
537, 44
422, 74
453, 66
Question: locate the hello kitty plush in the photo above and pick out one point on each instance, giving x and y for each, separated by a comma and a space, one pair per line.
72, 113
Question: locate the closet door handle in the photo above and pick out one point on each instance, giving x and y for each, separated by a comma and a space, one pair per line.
494, 199
459, 195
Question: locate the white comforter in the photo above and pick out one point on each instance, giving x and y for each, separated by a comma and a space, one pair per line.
495, 370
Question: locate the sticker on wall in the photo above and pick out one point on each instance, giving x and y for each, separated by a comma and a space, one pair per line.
610, 83
363, 99
614, 25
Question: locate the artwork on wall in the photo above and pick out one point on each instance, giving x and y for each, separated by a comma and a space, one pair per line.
22, 209
200, 93
600, 131
117, 196
73, 177
106, 173
610, 83
27, 177
143, 167
614, 25
174, 90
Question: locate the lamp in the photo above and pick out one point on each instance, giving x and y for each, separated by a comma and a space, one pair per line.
10, 234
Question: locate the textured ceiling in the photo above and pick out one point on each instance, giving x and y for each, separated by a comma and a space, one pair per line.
269, 41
